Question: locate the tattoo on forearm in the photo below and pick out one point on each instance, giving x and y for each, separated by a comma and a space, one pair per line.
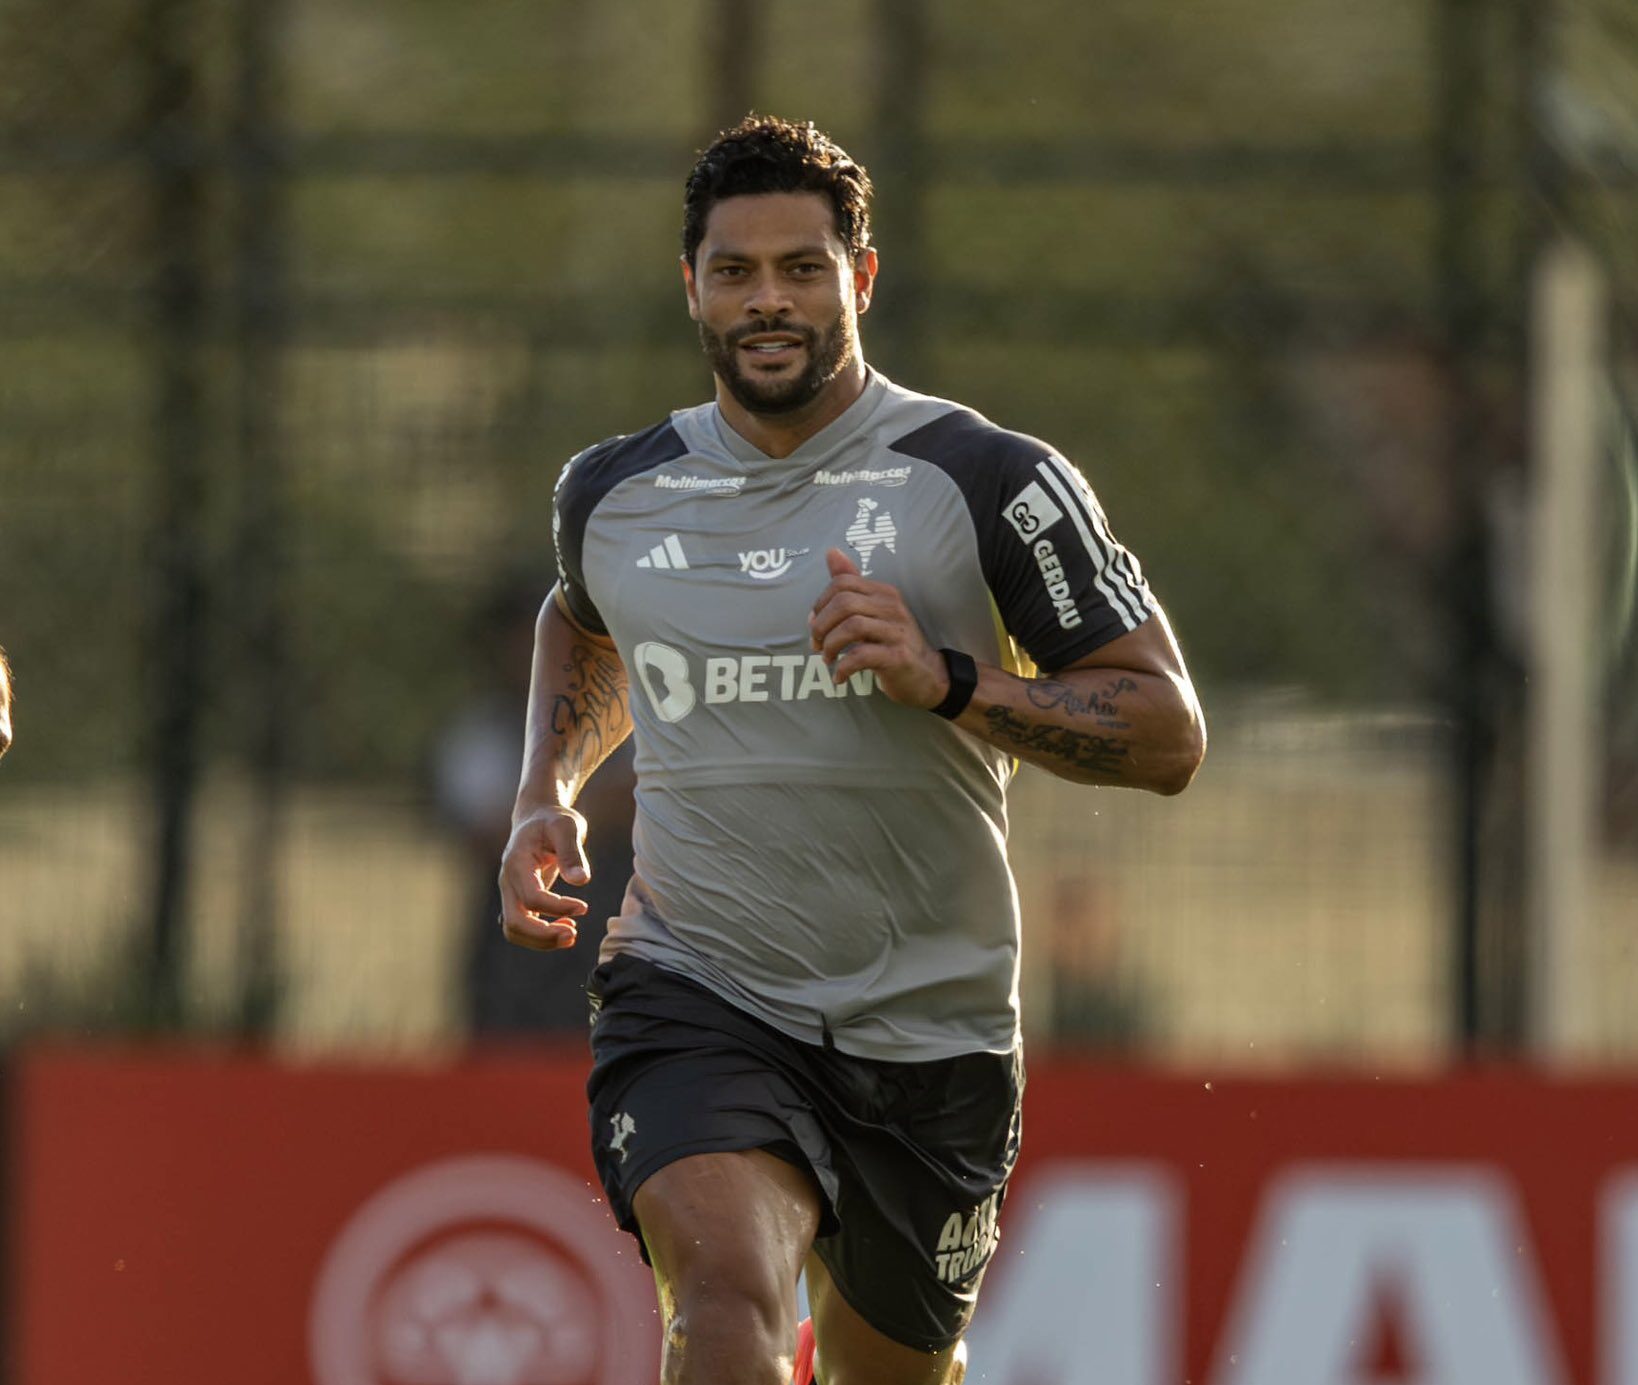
1051, 694
591, 714
1076, 749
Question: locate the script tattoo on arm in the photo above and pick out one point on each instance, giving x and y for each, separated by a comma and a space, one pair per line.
591, 713
1080, 750
1049, 694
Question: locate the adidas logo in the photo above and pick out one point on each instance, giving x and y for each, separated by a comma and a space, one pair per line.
667, 555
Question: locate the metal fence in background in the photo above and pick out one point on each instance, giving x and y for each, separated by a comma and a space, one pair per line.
302, 306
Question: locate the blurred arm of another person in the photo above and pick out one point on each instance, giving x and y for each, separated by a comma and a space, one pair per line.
579, 712
5, 704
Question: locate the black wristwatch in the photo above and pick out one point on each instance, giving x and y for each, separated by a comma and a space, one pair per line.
963, 673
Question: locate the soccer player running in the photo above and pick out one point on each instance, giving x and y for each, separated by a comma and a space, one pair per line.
808, 598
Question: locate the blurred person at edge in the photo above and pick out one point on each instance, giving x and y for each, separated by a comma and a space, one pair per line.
805, 1036
5, 703
1094, 1004
475, 764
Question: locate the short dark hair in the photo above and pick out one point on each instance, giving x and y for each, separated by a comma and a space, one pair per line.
766, 154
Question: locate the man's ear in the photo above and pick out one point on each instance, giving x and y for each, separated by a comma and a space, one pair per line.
864, 280
688, 287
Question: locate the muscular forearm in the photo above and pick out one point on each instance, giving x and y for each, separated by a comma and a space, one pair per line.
1094, 725
578, 711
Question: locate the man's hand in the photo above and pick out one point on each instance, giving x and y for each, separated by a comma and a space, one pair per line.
858, 624
546, 844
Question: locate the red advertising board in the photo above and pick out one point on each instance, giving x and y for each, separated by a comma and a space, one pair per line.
186, 1218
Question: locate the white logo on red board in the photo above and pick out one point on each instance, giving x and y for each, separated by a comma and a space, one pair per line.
482, 1270
1414, 1274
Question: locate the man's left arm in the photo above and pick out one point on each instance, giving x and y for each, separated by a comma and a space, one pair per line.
1125, 714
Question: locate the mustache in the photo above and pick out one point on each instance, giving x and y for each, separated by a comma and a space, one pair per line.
735, 335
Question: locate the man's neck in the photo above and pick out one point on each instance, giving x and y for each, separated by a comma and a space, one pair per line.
779, 435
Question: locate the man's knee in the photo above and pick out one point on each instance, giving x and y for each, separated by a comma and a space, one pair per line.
727, 1235
717, 1283
727, 1323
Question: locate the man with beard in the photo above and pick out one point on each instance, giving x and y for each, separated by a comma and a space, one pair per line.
813, 598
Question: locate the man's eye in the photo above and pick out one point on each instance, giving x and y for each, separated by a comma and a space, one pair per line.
730, 271
807, 268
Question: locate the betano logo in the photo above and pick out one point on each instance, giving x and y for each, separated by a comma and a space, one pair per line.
668, 678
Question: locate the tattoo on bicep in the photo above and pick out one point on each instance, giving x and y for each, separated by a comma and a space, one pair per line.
1078, 749
591, 714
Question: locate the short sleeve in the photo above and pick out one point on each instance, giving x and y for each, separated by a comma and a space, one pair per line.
572, 502
1063, 583
585, 479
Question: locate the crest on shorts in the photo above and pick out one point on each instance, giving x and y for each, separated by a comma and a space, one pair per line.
624, 1129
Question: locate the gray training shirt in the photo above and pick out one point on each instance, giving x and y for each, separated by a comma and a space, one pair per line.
820, 856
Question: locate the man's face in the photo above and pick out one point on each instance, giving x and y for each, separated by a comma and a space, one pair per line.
777, 298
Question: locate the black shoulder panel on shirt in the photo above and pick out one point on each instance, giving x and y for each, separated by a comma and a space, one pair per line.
1062, 583
585, 479
962, 439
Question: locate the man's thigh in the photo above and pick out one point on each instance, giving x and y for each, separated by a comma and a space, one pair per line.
920, 1188
852, 1352
677, 1073
739, 1222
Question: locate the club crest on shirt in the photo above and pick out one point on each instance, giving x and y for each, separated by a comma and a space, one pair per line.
870, 531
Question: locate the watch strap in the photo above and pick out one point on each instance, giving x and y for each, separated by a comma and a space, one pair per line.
963, 671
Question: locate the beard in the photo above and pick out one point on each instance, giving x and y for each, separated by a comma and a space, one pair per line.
828, 353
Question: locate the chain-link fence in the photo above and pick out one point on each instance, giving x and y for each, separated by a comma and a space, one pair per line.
302, 306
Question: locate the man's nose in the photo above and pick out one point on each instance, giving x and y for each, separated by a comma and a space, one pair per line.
769, 296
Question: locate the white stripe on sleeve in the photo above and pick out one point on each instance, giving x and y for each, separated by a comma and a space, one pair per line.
1122, 562
1109, 580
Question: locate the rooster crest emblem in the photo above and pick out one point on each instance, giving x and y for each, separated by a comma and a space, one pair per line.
870, 531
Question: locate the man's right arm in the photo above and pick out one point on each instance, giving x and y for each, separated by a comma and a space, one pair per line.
579, 711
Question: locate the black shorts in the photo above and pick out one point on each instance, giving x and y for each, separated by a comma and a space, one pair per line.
912, 1158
